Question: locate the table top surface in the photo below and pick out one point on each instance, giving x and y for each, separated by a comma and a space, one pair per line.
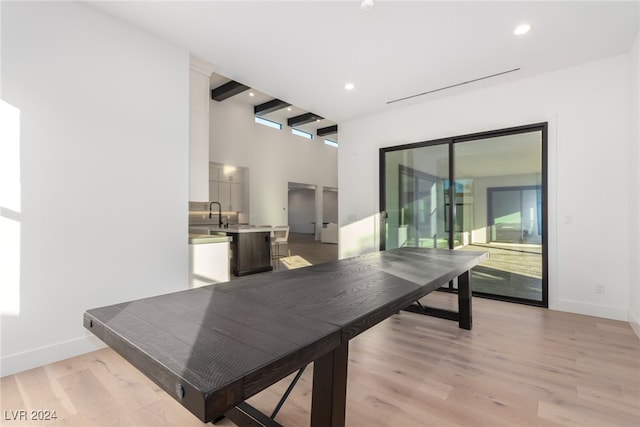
216, 346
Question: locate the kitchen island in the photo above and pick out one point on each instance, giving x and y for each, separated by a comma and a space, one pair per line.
250, 248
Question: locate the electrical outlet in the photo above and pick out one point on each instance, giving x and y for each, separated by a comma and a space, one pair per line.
599, 288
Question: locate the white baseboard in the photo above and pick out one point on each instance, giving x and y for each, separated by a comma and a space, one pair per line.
19, 362
590, 309
634, 321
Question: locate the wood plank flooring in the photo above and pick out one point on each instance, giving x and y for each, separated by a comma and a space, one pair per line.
311, 250
519, 366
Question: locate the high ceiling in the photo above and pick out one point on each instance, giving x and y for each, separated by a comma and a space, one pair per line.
303, 52
252, 98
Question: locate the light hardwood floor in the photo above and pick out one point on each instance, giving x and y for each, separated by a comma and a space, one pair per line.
310, 250
519, 366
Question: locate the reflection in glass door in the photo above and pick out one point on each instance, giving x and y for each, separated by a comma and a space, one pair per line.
415, 201
515, 214
503, 198
496, 204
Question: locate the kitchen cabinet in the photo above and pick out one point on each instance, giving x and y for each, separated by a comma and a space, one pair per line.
251, 252
229, 194
209, 260
227, 187
214, 191
231, 175
250, 248
226, 174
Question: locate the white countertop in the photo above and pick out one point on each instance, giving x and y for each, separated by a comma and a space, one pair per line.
212, 229
241, 229
199, 239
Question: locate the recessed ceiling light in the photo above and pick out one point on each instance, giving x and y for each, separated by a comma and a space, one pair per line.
288, 108
251, 94
367, 4
349, 86
522, 29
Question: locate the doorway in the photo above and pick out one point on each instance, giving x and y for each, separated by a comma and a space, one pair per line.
482, 192
302, 208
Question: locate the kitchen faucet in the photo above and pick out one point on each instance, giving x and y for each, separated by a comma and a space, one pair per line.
219, 212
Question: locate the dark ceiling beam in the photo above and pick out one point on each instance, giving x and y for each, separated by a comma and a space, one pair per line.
329, 130
303, 119
227, 90
269, 107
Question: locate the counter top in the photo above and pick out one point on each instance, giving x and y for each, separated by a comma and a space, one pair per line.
199, 239
243, 229
232, 229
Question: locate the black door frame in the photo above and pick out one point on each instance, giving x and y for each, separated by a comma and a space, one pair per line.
535, 127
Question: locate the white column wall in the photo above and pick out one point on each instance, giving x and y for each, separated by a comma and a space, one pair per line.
634, 194
104, 171
587, 111
199, 75
274, 158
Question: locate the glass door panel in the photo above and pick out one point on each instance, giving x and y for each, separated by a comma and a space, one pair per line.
499, 191
414, 192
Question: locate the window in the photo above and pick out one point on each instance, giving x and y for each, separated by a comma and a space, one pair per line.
301, 133
331, 143
269, 123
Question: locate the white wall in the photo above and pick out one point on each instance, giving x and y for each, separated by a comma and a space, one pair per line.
587, 110
634, 168
104, 159
330, 206
199, 75
274, 158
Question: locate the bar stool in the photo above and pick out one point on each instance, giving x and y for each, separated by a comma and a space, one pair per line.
279, 236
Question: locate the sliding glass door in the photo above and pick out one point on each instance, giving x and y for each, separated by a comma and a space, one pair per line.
415, 185
481, 192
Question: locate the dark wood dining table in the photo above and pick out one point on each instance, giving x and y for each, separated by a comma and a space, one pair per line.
214, 347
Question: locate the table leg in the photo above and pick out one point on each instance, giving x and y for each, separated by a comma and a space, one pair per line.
465, 320
245, 415
328, 401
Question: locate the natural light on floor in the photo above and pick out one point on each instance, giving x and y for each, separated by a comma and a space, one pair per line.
295, 261
9, 210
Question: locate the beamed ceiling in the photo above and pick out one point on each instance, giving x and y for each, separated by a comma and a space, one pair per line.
270, 108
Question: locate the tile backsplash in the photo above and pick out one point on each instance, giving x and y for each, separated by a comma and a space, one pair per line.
199, 215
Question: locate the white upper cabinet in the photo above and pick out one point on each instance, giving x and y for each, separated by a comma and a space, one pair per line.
230, 174
227, 187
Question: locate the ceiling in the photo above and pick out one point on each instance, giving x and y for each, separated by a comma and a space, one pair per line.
303, 52
253, 97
